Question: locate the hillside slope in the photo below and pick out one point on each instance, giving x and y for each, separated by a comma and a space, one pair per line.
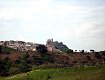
14, 62
75, 73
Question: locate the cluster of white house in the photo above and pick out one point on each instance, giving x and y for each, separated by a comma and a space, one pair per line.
25, 46
20, 45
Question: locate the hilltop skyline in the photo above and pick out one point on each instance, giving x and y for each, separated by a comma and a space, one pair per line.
79, 24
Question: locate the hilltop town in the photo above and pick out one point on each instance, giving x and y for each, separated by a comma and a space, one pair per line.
51, 45
19, 56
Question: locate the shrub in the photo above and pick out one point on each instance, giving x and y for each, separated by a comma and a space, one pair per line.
6, 50
13, 71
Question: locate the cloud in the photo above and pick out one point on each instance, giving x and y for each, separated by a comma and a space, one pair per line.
41, 19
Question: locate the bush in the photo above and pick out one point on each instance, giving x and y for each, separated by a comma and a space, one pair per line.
6, 50
25, 56
66, 50
24, 68
5, 65
98, 56
45, 57
13, 71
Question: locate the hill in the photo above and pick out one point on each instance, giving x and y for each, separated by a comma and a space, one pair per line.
14, 61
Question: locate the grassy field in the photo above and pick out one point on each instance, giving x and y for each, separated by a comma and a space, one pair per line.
80, 73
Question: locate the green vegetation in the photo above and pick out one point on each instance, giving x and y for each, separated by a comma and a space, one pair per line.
8, 68
24, 66
6, 50
66, 50
74, 73
5, 65
50, 66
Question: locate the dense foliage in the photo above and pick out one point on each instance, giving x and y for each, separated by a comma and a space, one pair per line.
16, 62
6, 50
66, 50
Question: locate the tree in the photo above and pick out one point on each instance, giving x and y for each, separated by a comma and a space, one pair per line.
75, 50
97, 55
92, 51
0, 49
5, 65
25, 56
13, 71
41, 49
69, 51
2, 69
45, 57
24, 66
82, 51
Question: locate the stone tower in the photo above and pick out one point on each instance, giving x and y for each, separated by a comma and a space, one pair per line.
50, 45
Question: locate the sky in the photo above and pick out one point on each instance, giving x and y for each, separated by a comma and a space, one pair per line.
79, 24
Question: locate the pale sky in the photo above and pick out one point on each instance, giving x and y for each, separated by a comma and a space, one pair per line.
79, 24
